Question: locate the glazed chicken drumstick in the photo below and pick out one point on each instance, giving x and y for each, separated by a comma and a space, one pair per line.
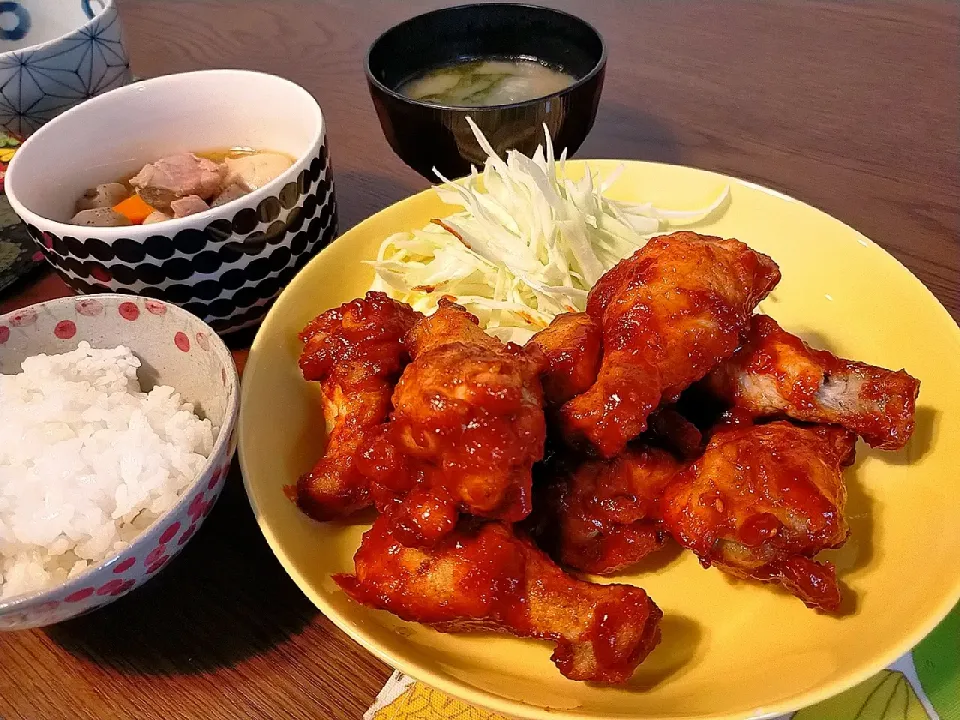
484, 577
356, 354
668, 313
776, 373
466, 429
762, 501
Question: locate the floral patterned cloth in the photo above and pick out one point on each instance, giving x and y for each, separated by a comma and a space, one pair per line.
8, 147
922, 685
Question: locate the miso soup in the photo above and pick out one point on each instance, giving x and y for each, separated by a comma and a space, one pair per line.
482, 83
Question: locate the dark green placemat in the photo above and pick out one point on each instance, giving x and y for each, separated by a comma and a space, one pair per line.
18, 252
19, 255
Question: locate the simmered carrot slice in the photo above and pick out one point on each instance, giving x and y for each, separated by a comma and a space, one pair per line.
134, 208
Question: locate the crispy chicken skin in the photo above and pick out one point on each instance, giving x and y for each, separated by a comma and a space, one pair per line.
482, 576
356, 353
776, 373
572, 345
466, 429
601, 516
668, 313
762, 501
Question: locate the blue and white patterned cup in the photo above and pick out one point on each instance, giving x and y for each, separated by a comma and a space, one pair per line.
55, 54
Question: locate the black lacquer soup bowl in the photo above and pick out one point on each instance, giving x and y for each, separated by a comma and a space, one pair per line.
427, 135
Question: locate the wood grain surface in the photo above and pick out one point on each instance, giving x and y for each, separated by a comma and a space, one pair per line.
853, 107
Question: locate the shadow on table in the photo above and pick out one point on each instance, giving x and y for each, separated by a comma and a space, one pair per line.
10, 295
223, 599
625, 133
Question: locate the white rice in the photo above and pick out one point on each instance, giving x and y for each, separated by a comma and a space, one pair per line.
87, 462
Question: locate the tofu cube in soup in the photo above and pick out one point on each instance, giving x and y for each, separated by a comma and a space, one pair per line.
256, 170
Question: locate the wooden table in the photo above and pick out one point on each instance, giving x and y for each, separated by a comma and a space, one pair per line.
852, 107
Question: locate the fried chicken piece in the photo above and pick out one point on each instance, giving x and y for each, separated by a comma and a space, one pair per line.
483, 576
763, 501
668, 427
466, 429
776, 373
601, 516
356, 353
669, 313
572, 345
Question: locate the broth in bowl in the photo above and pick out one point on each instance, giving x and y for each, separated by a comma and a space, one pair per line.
179, 185
484, 83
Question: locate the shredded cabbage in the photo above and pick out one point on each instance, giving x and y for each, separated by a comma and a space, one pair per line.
528, 245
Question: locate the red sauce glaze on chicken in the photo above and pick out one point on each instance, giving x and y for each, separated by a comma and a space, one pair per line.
775, 373
669, 313
762, 501
482, 576
466, 429
356, 353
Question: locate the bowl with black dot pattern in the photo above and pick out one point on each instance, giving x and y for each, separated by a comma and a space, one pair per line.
225, 265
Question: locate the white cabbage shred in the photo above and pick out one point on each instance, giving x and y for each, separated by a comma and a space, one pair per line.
528, 244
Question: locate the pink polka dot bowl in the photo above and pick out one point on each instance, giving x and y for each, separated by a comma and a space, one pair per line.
175, 349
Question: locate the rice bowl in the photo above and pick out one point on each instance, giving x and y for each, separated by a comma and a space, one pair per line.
87, 462
113, 448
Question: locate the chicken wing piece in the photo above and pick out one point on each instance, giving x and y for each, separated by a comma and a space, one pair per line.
466, 429
572, 345
484, 577
601, 516
356, 353
776, 373
669, 313
762, 501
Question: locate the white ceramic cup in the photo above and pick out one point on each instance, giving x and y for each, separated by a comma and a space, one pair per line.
55, 54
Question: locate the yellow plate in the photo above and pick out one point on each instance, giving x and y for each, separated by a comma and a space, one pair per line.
730, 649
